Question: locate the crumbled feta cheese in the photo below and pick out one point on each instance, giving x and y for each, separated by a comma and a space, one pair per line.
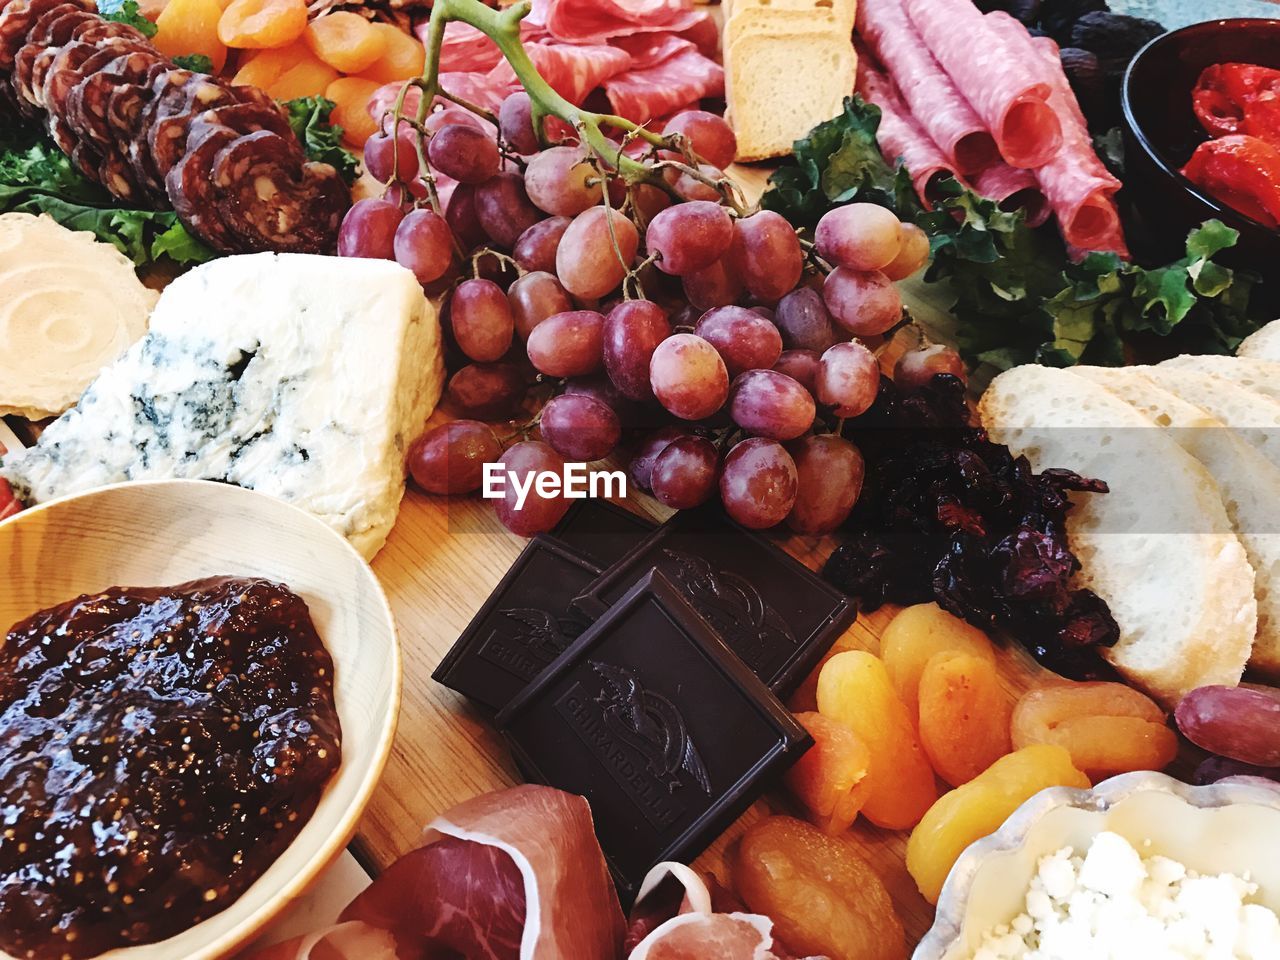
1115, 904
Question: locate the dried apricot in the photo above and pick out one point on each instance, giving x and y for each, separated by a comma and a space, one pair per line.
964, 715
915, 635
830, 780
978, 808
257, 24
854, 689
345, 41
822, 896
351, 96
1107, 728
805, 699
309, 78
402, 59
264, 67
191, 26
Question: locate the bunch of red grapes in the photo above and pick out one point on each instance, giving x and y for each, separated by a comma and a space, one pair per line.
720, 346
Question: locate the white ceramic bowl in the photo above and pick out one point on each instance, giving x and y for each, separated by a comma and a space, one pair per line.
1231, 827
163, 533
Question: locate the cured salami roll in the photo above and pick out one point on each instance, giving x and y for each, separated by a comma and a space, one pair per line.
1013, 188
1078, 185
1009, 91
938, 106
900, 135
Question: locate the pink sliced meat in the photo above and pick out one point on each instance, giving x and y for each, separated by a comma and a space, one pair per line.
572, 70
939, 108
473, 87
704, 33
467, 49
900, 135
344, 941
594, 21
650, 49
658, 89
1013, 188
1008, 91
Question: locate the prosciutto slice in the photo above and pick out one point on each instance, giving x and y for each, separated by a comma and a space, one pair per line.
940, 109
1008, 91
573, 71
594, 21
670, 73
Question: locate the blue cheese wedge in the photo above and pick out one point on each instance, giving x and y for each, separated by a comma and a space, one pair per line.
302, 377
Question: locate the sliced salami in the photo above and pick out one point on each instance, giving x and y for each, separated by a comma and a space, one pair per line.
16, 20
191, 189
664, 86
87, 158
168, 87
62, 73
99, 30
1009, 92
167, 137
58, 35
88, 101
38, 39
116, 175
1014, 188
271, 203
573, 71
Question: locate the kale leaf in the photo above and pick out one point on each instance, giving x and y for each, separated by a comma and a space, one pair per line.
195, 62
127, 11
322, 140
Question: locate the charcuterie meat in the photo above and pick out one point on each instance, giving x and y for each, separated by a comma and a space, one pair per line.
189, 185
1014, 188
175, 108
572, 70
38, 36
88, 100
127, 101
594, 21
667, 73
16, 20
1009, 92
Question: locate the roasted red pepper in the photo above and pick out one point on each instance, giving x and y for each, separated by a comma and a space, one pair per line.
9, 504
1232, 98
1243, 172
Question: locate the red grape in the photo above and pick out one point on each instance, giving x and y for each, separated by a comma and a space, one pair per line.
386, 159
443, 118
688, 376
708, 134
536, 247
504, 209
801, 366
830, 471
533, 298
592, 258
715, 286
580, 427
758, 483
463, 152
369, 229
697, 188
515, 120
489, 391
404, 194
804, 321
598, 386
424, 244
647, 201
632, 331
450, 459
848, 379
481, 320
746, 340
767, 253
685, 472
641, 466
913, 255
461, 216
864, 304
689, 236
568, 344
860, 236
770, 404
1242, 723
916, 368
561, 182
538, 513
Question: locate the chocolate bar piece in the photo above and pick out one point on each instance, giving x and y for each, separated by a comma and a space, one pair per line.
770, 609
601, 531
651, 718
524, 625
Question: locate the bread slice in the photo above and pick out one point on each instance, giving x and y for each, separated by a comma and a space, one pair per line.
1260, 376
1263, 345
1252, 415
782, 21
779, 87
1249, 484
1158, 548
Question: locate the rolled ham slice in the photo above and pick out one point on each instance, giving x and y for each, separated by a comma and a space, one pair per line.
937, 105
1078, 186
1008, 91
900, 135
1013, 189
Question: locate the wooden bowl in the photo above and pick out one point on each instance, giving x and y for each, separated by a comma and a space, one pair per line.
167, 532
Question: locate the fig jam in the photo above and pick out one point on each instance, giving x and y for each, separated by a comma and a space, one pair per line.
159, 748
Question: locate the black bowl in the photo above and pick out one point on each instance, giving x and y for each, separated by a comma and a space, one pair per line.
1161, 133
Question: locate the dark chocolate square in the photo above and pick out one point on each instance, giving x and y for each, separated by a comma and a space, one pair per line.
601, 531
524, 625
772, 611
651, 718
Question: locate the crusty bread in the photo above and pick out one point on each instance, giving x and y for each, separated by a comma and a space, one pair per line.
1260, 376
1256, 418
779, 86
781, 22
1158, 548
1263, 345
1249, 484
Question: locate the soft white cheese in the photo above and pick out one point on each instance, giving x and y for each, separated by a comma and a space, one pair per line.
303, 377
1114, 904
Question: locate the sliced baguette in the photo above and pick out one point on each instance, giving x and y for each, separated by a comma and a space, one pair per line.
779, 87
1158, 548
1253, 416
778, 23
1263, 345
1249, 484
1260, 376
